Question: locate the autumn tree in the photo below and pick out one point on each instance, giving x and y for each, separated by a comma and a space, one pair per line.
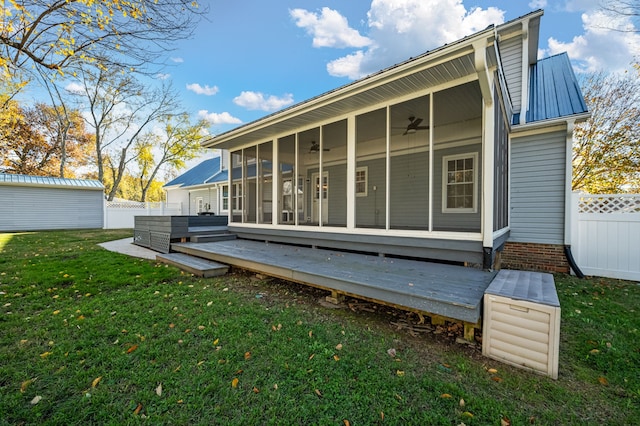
176, 142
30, 143
625, 14
115, 34
120, 112
606, 150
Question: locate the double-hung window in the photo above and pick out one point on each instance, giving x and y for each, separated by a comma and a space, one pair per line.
460, 183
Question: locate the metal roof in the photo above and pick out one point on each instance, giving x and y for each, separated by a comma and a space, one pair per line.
207, 171
554, 91
29, 180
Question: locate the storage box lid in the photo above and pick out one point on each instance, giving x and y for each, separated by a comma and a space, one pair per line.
533, 287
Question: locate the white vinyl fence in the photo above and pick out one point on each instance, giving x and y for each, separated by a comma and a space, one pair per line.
606, 235
120, 214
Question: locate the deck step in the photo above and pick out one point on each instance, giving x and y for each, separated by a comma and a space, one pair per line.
195, 265
212, 238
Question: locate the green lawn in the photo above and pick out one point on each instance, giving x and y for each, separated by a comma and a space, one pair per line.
90, 337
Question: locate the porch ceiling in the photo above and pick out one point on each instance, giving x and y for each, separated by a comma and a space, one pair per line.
449, 63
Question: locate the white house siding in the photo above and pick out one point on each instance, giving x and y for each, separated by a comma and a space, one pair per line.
179, 195
24, 208
209, 196
538, 188
511, 55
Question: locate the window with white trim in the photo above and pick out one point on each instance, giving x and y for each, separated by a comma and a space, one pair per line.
460, 183
362, 176
225, 198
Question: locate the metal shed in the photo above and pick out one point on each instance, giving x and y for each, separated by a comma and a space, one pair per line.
31, 203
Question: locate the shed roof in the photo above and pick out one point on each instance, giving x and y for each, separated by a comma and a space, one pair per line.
30, 180
207, 171
554, 90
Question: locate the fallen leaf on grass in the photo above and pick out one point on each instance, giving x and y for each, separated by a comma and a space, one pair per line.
346, 422
391, 352
492, 371
467, 414
336, 358
311, 333
496, 379
505, 421
445, 395
317, 391
399, 373
26, 384
234, 382
256, 390
247, 355
603, 381
382, 416
339, 346
96, 381
215, 342
132, 348
138, 409
159, 390
311, 357
462, 403
36, 399
45, 354
594, 351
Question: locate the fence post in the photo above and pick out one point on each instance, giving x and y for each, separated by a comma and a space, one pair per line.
105, 214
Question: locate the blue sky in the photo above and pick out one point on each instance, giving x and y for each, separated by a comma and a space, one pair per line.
252, 58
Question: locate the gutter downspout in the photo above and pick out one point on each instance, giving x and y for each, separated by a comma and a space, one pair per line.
569, 215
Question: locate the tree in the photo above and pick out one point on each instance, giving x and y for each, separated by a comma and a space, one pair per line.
30, 143
606, 151
120, 111
629, 10
179, 142
116, 34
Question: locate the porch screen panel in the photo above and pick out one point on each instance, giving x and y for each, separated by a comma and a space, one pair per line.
311, 190
250, 185
235, 202
501, 164
265, 182
457, 158
371, 169
334, 159
409, 165
286, 169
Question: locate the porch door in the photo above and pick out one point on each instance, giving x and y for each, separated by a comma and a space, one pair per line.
320, 190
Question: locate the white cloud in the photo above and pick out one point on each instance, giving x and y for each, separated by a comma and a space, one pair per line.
162, 76
215, 118
258, 101
398, 30
328, 28
600, 48
538, 4
206, 90
177, 60
74, 88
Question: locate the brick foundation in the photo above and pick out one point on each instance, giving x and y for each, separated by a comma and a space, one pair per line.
534, 257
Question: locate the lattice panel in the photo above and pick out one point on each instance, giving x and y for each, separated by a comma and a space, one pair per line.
603, 204
141, 238
160, 241
126, 205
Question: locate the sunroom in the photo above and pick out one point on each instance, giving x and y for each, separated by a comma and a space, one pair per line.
410, 161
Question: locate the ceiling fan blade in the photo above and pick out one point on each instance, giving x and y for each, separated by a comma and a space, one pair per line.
416, 122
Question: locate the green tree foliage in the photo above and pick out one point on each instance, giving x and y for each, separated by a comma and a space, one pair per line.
606, 150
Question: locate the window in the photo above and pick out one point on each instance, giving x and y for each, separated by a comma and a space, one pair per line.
225, 197
361, 181
459, 183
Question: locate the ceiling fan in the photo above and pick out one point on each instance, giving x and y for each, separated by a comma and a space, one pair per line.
414, 125
315, 147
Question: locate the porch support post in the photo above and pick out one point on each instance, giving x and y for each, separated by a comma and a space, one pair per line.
488, 154
351, 172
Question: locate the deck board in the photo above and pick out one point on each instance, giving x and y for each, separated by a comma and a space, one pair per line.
447, 290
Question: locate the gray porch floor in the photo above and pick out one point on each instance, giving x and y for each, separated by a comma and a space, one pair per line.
446, 290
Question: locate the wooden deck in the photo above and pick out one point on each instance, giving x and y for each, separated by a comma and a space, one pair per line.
439, 290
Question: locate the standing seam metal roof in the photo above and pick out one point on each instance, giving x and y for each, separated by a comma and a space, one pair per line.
29, 180
554, 91
207, 171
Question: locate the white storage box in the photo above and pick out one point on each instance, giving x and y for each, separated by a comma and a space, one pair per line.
521, 324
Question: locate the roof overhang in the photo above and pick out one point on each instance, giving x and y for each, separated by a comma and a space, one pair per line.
449, 63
